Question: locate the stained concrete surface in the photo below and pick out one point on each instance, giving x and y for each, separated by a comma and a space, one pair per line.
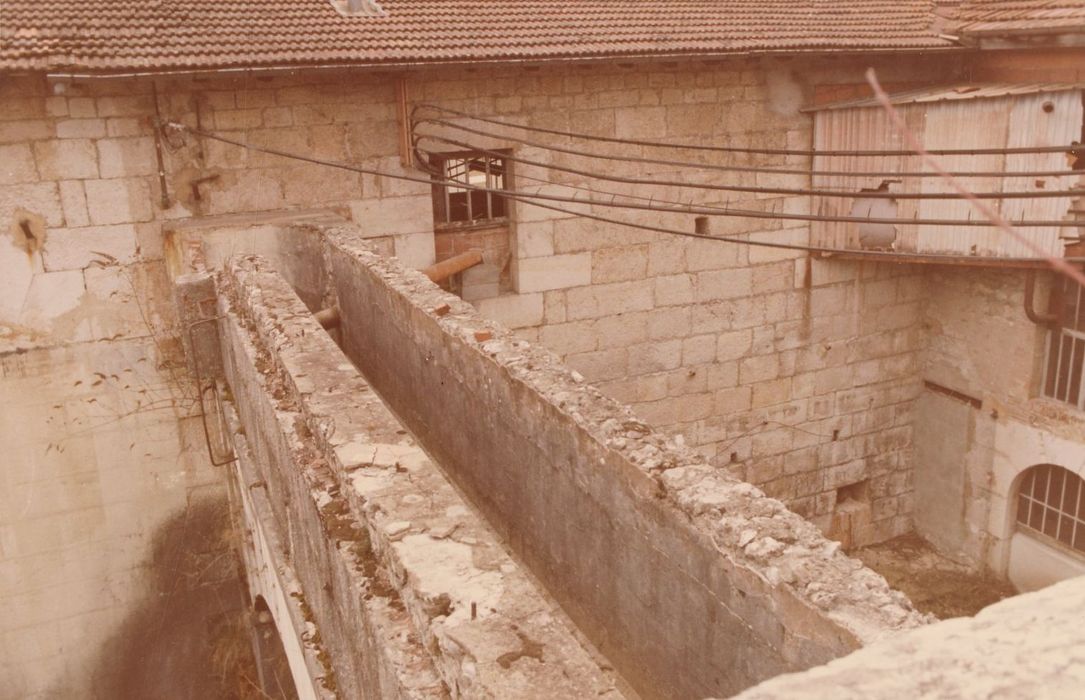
1023, 648
189, 639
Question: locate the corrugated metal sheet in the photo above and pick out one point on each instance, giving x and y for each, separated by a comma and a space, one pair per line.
957, 92
997, 117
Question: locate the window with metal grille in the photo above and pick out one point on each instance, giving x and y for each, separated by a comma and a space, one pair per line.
458, 205
1065, 356
1051, 502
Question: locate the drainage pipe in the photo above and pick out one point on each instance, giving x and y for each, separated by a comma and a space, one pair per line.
446, 268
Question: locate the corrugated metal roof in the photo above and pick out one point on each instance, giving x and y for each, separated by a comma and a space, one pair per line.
949, 94
133, 35
1020, 16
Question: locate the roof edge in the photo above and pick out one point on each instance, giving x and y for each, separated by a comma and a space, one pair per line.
77, 72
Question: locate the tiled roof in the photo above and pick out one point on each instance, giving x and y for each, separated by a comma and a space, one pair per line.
113, 35
1016, 16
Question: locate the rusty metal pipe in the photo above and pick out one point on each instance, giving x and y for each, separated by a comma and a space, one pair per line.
446, 268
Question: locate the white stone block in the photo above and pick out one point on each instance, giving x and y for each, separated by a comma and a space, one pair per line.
76, 248
66, 159
673, 290
415, 250
554, 272
16, 273
513, 310
81, 128
52, 294
17, 164
118, 201
126, 157
724, 284
40, 199
74, 201
392, 216
535, 240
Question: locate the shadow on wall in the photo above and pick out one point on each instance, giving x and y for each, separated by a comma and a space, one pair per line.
190, 638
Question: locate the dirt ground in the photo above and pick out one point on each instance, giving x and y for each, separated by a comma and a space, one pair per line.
935, 584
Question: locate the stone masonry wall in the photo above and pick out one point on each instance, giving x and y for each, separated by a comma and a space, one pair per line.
104, 459
796, 375
693, 584
720, 342
983, 345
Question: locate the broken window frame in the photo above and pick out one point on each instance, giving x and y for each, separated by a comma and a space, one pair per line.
1063, 377
479, 208
1051, 506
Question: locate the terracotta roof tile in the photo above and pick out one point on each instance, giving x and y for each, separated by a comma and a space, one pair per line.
1015, 16
111, 35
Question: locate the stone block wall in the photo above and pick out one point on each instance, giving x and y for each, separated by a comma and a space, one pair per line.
692, 583
413, 595
723, 343
983, 346
796, 375
102, 463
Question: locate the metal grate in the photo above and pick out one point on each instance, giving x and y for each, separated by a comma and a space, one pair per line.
1064, 358
458, 205
1051, 501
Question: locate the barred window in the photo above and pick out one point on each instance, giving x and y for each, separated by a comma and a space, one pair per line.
1065, 356
455, 205
1051, 502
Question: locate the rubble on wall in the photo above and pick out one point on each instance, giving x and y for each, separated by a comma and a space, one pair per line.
369, 634
747, 527
476, 615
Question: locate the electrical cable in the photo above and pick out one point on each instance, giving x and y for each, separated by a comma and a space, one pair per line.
531, 200
590, 190
748, 168
1074, 148
851, 194
709, 210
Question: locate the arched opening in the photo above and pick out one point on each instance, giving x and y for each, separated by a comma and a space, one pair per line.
1051, 503
1048, 544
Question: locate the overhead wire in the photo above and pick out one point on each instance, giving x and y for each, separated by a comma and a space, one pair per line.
685, 164
849, 194
532, 200
582, 188
711, 210
675, 207
1070, 149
